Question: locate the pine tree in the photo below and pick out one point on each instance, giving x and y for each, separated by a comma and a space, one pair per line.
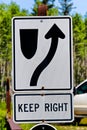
49, 3
66, 7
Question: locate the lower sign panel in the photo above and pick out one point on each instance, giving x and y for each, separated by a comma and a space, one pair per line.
43, 107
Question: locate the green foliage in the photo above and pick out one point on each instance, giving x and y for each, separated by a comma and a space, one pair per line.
85, 27
52, 12
50, 4
79, 35
2, 115
35, 8
78, 28
66, 7
79, 48
60, 126
27, 126
6, 14
78, 62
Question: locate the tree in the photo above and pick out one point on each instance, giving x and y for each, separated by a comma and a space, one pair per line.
6, 14
66, 7
52, 10
50, 4
4, 38
85, 20
35, 8
80, 48
78, 28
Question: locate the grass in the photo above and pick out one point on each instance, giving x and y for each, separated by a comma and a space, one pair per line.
83, 126
70, 128
2, 115
57, 126
83, 123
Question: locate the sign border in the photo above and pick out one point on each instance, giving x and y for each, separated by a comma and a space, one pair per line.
48, 120
13, 48
43, 125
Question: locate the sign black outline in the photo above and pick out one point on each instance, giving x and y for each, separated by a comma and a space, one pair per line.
42, 126
41, 18
49, 120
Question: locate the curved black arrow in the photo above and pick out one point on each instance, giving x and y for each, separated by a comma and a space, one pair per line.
53, 33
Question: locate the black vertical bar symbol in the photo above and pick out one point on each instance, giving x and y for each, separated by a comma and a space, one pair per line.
28, 42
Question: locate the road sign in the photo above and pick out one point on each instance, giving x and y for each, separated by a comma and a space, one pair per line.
42, 53
43, 127
35, 108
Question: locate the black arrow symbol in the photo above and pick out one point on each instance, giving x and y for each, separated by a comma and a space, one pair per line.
54, 33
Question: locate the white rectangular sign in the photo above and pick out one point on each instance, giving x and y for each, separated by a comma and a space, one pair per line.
43, 107
42, 53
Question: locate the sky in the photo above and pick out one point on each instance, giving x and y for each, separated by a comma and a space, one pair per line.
81, 5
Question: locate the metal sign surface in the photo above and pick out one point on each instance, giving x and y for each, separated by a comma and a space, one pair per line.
43, 127
43, 107
42, 53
